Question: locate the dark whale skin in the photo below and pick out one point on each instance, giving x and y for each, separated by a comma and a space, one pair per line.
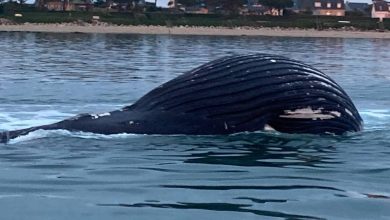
229, 95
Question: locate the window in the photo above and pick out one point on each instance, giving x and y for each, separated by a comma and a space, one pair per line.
317, 4
329, 5
338, 5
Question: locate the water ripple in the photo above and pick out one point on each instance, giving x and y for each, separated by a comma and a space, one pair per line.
74, 175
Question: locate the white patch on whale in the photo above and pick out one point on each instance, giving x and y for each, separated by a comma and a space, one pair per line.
96, 116
336, 113
349, 112
309, 113
267, 127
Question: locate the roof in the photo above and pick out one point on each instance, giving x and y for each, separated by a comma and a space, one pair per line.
333, 4
381, 5
355, 6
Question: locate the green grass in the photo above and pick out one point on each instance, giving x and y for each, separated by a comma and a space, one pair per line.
167, 19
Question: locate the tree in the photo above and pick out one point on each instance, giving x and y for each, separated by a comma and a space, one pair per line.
278, 4
1, 7
99, 3
231, 6
39, 3
187, 2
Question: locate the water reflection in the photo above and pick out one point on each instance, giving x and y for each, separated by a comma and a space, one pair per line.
271, 150
248, 172
222, 207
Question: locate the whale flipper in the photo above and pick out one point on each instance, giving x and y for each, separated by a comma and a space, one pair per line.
229, 95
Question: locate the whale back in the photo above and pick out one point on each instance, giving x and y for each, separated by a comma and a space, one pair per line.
255, 92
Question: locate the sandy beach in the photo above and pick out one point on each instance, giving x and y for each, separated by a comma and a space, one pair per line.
219, 31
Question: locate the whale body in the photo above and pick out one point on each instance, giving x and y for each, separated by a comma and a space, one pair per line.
229, 95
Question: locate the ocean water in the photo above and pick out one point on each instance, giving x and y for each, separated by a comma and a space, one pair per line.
64, 175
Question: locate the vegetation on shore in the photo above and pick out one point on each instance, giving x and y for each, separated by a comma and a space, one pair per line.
208, 20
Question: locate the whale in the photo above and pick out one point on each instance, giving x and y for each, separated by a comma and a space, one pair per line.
232, 94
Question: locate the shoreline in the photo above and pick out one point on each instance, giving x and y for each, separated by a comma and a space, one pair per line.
198, 31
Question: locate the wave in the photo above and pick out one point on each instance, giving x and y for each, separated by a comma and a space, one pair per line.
23, 116
376, 119
18, 120
375, 113
64, 133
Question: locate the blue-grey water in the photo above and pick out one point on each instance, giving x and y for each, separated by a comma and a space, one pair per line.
60, 175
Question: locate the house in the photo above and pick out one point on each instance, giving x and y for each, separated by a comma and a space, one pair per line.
55, 5
356, 7
196, 10
51, 5
123, 5
303, 6
329, 7
78, 5
118, 5
165, 3
65, 5
380, 9
194, 7
255, 8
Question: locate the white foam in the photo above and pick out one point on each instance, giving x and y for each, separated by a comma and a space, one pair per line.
50, 196
6, 117
375, 119
360, 195
376, 113
35, 135
354, 194
58, 133
10, 196
88, 135
23, 119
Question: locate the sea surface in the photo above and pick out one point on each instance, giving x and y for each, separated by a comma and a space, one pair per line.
62, 175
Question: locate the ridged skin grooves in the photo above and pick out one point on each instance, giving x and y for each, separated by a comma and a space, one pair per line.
245, 91
229, 95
